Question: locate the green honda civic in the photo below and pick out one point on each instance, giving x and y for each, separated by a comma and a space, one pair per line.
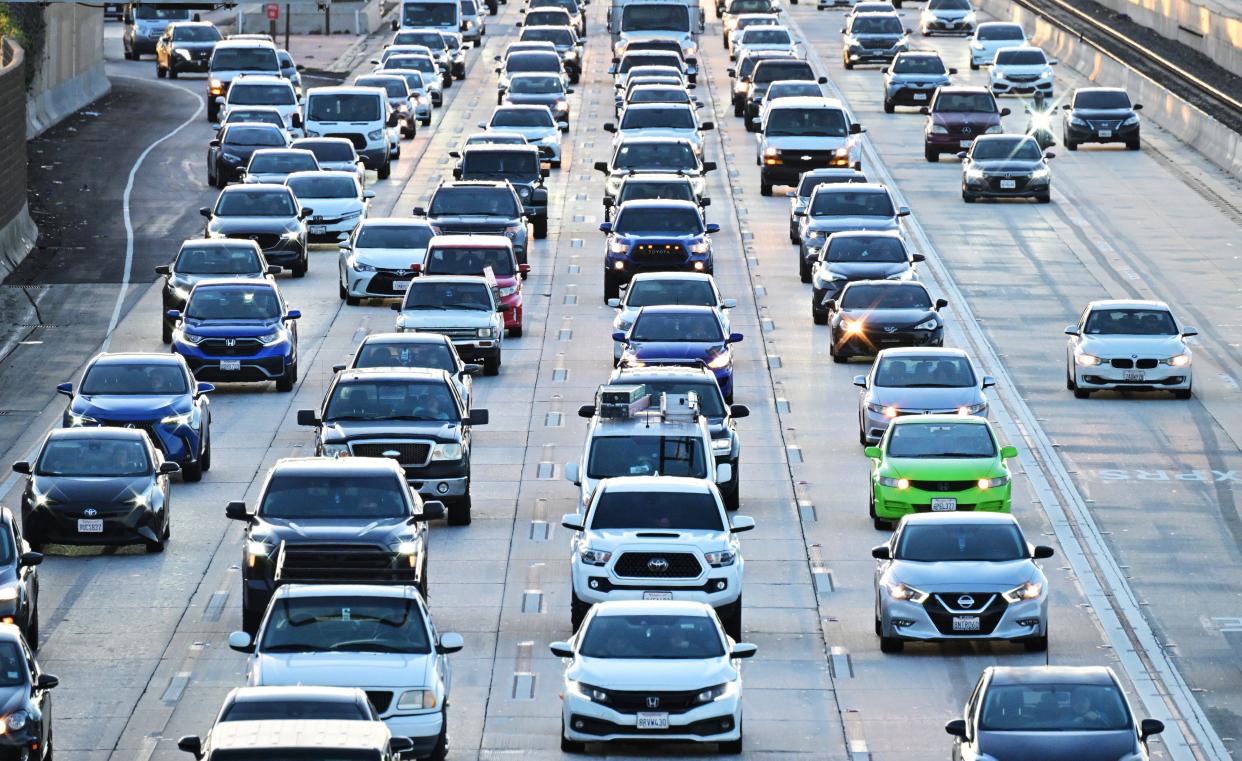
938, 463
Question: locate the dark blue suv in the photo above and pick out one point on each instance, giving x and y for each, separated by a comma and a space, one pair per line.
657, 235
238, 330
152, 392
680, 335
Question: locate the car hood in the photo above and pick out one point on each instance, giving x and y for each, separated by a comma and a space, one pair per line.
358, 430
189, 281
1007, 165
676, 349
230, 328
390, 258
1040, 746
892, 317
940, 79
659, 540
1143, 346
655, 674
274, 178
926, 398
1022, 69
978, 120
333, 207
205, 45
948, 15
1107, 114
533, 133
809, 143
863, 271
536, 98
892, 36
836, 224
241, 151
444, 319
98, 490
338, 166
958, 576
335, 530
942, 468
131, 406
369, 670
234, 225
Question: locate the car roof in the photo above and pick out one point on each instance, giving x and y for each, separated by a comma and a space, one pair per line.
407, 338
1100, 89
692, 276
470, 241
938, 418
1101, 675
999, 23
962, 90
235, 282
679, 309
851, 187
1128, 304
317, 140
100, 432
314, 466
273, 693
261, 79
460, 279
336, 173
505, 147
660, 203
806, 101
886, 284
344, 90
299, 733
294, 151
220, 243
419, 374
226, 44
651, 607
395, 222
152, 358
867, 233
923, 351
270, 187
403, 591
959, 518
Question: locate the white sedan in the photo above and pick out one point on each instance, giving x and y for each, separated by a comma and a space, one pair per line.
652, 669
1128, 345
337, 200
378, 261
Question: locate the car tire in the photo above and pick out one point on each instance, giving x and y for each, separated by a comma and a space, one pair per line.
516, 332
285, 383
540, 225
1070, 145
1081, 393
737, 109
765, 188
1036, 644
804, 269
156, 547
891, 645
888, 106
160, 73
612, 289
577, 611
931, 154
299, 269
491, 366
974, 66
879, 627
172, 72
967, 197
192, 472
458, 513
733, 497
1069, 380
440, 751
426, 121
862, 437
166, 332
385, 170
570, 746
819, 316
731, 618
1183, 393
848, 65
839, 358
1133, 144
205, 457
1045, 197
251, 620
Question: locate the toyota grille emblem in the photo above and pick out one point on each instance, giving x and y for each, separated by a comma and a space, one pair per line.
657, 565
90, 512
230, 342
966, 601
653, 702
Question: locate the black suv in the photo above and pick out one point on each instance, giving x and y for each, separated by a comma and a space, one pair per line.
230, 151
519, 164
765, 73
320, 519
19, 579
269, 215
414, 416
479, 208
25, 692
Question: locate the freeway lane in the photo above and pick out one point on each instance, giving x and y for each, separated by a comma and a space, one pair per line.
139, 641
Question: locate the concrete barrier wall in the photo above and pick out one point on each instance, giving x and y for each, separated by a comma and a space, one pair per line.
1214, 140
1213, 28
70, 73
17, 229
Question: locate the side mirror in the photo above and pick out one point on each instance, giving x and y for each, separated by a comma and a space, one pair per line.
21, 466
605, 227
712, 228
1188, 331
881, 553
728, 304
294, 314
614, 303
1008, 452
456, 173
756, 120
276, 269
308, 418
191, 743
743, 650
395, 26
740, 523
1149, 727
1049, 155
724, 473
707, 126
860, 381
337, 368
705, 202
601, 166
433, 510
822, 80
572, 473
739, 411
455, 154
472, 369
962, 155
872, 453
1041, 552
941, 303
830, 305
419, 211
573, 521
1004, 112
236, 511
586, 411
241, 642
732, 72
916, 258
164, 269
952, 71
1137, 107
172, 314
1072, 330
29, 559
709, 166
477, 417
399, 745
561, 649
856, 128
988, 381
735, 338
65, 388
903, 211
957, 728
296, 120
368, 194
205, 211
610, 127
214, 143
619, 335
305, 212
168, 468
450, 642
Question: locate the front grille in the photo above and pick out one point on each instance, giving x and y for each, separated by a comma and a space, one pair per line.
654, 700
944, 486
1099, 125
407, 453
1022, 77
647, 565
649, 252
874, 44
220, 347
358, 139
1146, 364
382, 283
380, 699
452, 333
988, 606
470, 229
342, 563
704, 727
1142, 364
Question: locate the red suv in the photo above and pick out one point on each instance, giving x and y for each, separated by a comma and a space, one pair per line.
956, 116
476, 255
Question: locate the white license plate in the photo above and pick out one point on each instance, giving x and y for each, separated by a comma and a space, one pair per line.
1134, 375
652, 721
920, 96
965, 143
90, 525
965, 623
1008, 184
401, 285
230, 364
1106, 133
657, 595
943, 504
318, 229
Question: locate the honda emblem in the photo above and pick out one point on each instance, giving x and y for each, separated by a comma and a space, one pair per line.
653, 701
230, 342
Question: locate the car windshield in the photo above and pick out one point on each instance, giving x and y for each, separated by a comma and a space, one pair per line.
533, 62
658, 220
334, 497
877, 25
918, 64
1102, 99
658, 637
217, 260
93, 458
537, 84
413, 79
874, 250
852, 203
652, 17
965, 102
656, 292
924, 371
656, 118
343, 107
469, 261
156, 13
261, 116
366, 624
778, 70
697, 327
244, 59
233, 303
1022, 57
436, 356
294, 709
811, 181
794, 90
324, 187
644, 455
1054, 708
558, 35
762, 36
949, 5
432, 40
282, 163
668, 156
194, 33
468, 201
328, 150
393, 236
658, 95
254, 136
1001, 32
425, 295
980, 542
108, 378
522, 117
394, 86
520, 163
673, 190
711, 401
1020, 148
429, 14
294, 754
1130, 322
391, 400
243, 202
13, 672
261, 95
751, 6
907, 296
805, 122
496, 138
547, 18
945, 440
417, 62
686, 511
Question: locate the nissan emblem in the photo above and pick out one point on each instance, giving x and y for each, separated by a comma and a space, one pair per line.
966, 601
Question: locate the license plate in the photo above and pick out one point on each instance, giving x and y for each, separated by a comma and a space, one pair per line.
90, 525
1106, 133
230, 364
965, 143
943, 505
318, 229
1134, 375
920, 96
652, 721
401, 285
965, 623
1008, 184
657, 595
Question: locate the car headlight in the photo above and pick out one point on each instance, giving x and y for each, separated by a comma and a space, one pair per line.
561, 105
1028, 591
770, 152
972, 409
523, 192
181, 292
894, 483
1130, 120
335, 450
216, 87
292, 235
403, 107
899, 591
358, 266
352, 214
739, 88
938, 129
512, 231
256, 550
592, 556
443, 452
993, 483
416, 700
712, 694
231, 158
1178, 360
589, 692
995, 129
969, 18
16, 720
720, 559
1041, 173
486, 332
852, 327
267, 339
1086, 360
508, 290
976, 46
182, 52
77, 421
926, 325
889, 411
183, 419
721, 445
618, 247
1074, 120
700, 247
375, 135
189, 338
812, 236
311, 133
8, 594
721, 360
1046, 74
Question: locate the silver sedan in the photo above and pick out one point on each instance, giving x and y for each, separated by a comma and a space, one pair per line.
918, 381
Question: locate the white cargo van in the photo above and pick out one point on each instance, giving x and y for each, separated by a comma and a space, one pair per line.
362, 115
429, 14
677, 20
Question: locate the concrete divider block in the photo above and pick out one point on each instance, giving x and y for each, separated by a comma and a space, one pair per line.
50, 106
17, 240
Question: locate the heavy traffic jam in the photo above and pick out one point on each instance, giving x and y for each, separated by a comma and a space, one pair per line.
336, 549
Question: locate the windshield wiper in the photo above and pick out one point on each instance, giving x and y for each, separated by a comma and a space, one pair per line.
960, 454
370, 647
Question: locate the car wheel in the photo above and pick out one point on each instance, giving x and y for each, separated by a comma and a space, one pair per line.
1183, 393
166, 332
385, 170
1070, 145
570, 746
424, 580
731, 618
931, 155
612, 288
737, 109
1133, 144
160, 73
172, 72
192, 472
804, 269
440, 751
891, 645
967, 197
765, 188
819, 316
840, 358
879, 628
205, 457
1045, 197
1069, 380
1081, 393
733, 497
888, 106
426, 120
299, 269
1036, 644
974, 66
32, 627
848, 65
285, 383
862, 437
577, 611
459, 510
540, 224
516, 332
491, 365
251, 619
156, 547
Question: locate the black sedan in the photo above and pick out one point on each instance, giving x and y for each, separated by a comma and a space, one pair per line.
871, 315
229, 153
1100, 115
19, 579
1006, 166
25, 700
1047, 712
97, 486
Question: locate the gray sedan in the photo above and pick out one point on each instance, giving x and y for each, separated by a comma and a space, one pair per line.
918, 381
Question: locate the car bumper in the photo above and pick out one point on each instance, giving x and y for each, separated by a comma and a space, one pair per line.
180, 64
991, 188
513, 317
949, 27
1092, 135
892, 504
424, 729
907, 95
331, 232
122, 524
917, 623
472, 350
252, 369
982, 58
139, 44
873, 55
721, 587
438, 488
788, 172
1107, 376
586, 721
874, 424
178, 443
949, 143
1006, 87
873, 343
632, 267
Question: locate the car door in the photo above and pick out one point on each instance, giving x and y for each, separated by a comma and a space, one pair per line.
40, 699
27, 575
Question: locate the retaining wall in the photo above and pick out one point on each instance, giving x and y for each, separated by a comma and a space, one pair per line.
1213, 28
70, 74
17, 229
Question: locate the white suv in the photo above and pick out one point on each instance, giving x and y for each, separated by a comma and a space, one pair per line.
663, 538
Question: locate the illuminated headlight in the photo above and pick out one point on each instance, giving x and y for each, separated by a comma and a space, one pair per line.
1041, 120
618, 247
1041, 173
938, 129
612, 185
887, 410
901, 591
189, 338
700, 247
182, 52
1086, 360
443, 452
561, 105
16, 721
180, 292
721, 360
268, 339
592, 556
1028, 591
814, 236
721, 445
512, 230
770, 152
588, 692
895, 483
720, 559
358, 266
403, 107
1131, 120
1179, 360
972, 409
404, 547
739, 87
77, 421
852, 327
569, 55
216, 87
926, 325
485, 332
292, 235
995, 129
375, 135
335, 450
470, 23
1046, 74
993, 483
41, 499
416, 700
352, 214
183, 419
256, 550
8, 594
523, 192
